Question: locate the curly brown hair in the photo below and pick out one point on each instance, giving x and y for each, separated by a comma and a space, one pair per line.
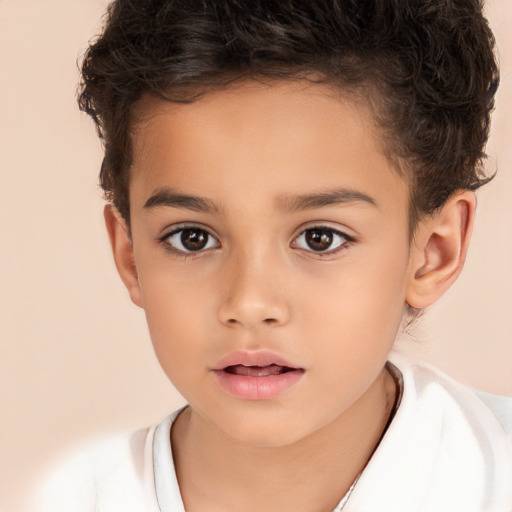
427, 65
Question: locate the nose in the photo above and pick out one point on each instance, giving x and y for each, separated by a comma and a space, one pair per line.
253, 294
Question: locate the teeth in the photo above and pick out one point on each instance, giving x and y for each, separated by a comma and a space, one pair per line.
257, 371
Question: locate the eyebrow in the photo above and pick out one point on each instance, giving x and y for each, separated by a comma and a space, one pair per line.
289, 204
292, 204
173, 199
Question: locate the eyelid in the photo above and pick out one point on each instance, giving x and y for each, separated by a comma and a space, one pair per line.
328, 225
177, 228
349, 239
180, 226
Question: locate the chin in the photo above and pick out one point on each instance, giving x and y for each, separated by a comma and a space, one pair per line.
262, 431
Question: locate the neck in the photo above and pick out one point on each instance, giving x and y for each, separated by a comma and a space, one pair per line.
215, 473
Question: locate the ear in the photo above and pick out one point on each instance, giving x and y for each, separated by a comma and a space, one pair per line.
439, 249
122, 249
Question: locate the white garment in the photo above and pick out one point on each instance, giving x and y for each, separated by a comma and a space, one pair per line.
445, 451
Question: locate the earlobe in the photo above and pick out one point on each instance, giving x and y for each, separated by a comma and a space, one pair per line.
122, 250
439, 249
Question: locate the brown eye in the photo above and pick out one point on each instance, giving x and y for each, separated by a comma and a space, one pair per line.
321, 239
194, 239
190, 240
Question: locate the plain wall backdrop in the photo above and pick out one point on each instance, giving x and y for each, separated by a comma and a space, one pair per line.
76, 359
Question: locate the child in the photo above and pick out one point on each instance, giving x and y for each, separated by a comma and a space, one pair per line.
287, 182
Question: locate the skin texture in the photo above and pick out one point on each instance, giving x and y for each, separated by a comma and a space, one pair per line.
250, 152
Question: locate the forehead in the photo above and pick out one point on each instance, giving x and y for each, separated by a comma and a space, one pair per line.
267, 138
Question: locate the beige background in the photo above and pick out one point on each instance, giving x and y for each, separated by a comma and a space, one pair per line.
76, 359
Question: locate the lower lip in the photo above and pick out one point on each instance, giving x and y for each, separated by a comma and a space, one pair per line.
257, 388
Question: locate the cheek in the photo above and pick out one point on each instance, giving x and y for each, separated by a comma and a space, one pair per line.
360, 310
176, 317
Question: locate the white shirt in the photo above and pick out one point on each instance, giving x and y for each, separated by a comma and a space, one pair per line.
444, 451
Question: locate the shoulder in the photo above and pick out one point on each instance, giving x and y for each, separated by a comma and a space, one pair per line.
428, 384
445, 450
500, 406
112, 474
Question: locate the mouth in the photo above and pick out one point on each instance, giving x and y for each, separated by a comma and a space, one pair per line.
258, 371
256, 375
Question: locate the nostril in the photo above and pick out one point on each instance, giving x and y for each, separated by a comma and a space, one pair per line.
250, 313
268, 321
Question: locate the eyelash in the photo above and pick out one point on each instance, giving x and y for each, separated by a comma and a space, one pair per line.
344, 245
347, 241
164, 240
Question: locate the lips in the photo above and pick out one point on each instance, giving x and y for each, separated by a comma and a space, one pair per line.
256, 375
259, 358
257, 371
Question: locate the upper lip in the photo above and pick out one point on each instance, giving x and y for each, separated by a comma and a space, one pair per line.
259, 358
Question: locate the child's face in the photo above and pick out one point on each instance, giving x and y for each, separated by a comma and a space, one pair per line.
297, 245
